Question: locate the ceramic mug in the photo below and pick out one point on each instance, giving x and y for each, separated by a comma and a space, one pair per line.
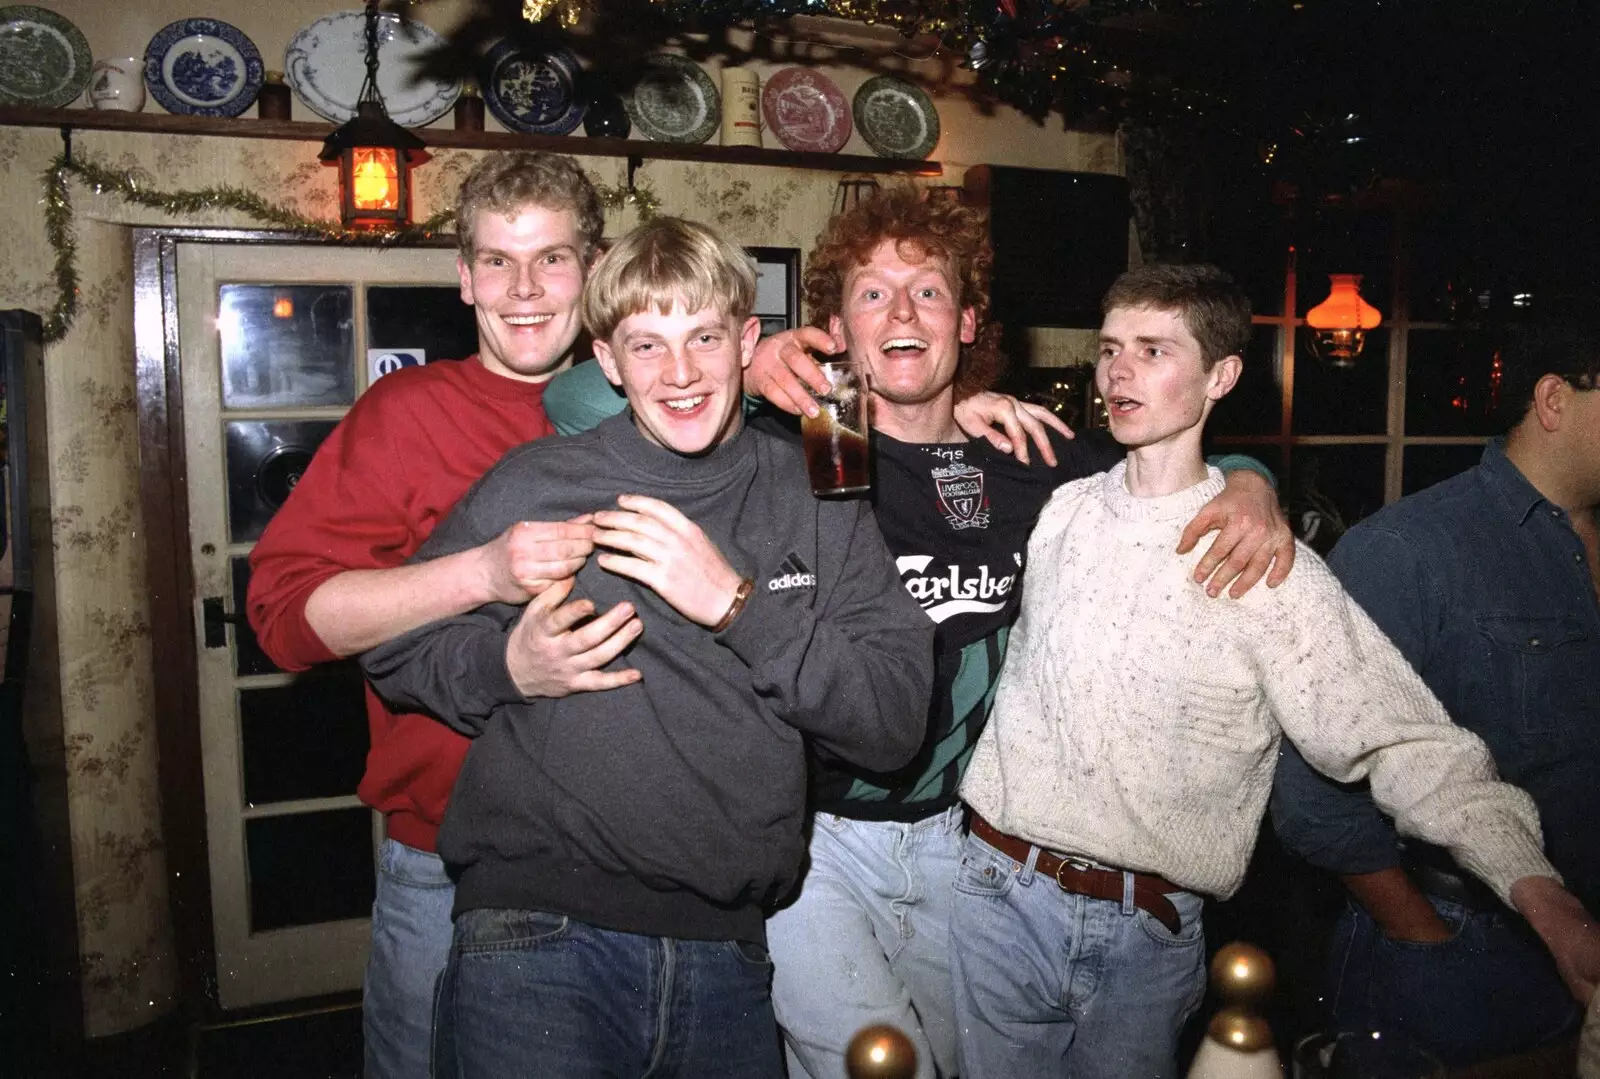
117, 83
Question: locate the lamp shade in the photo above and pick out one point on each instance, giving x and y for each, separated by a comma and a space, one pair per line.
1340, 323
1344, 309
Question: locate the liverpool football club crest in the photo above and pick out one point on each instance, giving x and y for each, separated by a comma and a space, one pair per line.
961, 495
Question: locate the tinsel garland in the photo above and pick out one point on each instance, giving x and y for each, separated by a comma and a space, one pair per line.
127, 185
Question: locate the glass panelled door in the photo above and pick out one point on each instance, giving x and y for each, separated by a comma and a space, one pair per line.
276, 343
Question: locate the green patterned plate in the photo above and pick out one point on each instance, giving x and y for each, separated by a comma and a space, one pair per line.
896, 118
44, 59
674, 101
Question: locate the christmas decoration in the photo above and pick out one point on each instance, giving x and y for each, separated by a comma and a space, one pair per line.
128, 186
566, 12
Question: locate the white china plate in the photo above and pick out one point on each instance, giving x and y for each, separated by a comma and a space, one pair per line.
326, 62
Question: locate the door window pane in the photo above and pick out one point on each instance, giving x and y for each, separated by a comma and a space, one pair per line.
1331, 488
427, 317
286, 346
1452, 383
310, 868
266, 458
1428, 465
1331, 400
1255, 407
307, 739
248, 658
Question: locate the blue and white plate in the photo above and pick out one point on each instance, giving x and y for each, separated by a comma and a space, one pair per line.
326, 63
533, 90
202, 67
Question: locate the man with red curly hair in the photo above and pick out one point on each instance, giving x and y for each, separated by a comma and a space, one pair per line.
900, 283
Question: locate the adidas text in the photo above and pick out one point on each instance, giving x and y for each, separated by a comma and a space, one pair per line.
792, 580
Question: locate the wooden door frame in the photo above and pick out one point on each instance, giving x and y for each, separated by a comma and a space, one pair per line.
164, 502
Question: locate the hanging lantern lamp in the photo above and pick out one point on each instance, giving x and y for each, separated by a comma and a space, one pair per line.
374, 154
1340, 323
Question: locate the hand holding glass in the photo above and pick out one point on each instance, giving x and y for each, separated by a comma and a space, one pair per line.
835, 440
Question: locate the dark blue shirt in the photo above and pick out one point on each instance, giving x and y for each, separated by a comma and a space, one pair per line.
1484, 586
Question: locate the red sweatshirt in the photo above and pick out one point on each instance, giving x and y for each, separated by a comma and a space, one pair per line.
392, 470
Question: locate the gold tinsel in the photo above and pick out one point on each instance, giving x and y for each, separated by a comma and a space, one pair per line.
58, 220
640, 198
566, 11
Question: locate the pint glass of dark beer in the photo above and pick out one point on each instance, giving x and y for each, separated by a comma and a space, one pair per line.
836, 440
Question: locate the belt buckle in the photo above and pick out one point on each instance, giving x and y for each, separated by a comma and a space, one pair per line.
1082, 865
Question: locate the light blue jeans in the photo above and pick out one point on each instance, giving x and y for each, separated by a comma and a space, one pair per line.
868, 941
1048, 983
410, 945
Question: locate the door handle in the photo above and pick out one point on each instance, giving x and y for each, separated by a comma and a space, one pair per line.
216, 621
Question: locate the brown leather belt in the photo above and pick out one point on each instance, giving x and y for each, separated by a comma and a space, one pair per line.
1149, 890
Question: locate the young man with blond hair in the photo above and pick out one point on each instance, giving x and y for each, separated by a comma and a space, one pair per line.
328, 579
617, 851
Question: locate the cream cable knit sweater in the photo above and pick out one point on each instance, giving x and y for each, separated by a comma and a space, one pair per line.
1137, 720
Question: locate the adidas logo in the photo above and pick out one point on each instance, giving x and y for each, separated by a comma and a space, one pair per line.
796, 574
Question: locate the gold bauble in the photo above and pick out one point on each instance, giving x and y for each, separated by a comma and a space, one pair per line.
1241, 1030
880, 1052
1242, 973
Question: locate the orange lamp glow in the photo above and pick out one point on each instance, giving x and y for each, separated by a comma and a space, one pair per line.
1342, 320
374, 154
282, 307
374, 179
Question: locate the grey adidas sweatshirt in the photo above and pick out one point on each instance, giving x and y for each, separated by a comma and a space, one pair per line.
674, 806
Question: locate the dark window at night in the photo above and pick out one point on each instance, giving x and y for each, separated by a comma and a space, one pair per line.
1452, 384
427, 317
1338, 484
310, 868
1255, 407
307, 739
1352, 400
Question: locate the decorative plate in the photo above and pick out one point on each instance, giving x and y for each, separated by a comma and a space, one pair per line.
44, 59
533, 90
202, 67
806, 110
674, 100
326, 62
896, 118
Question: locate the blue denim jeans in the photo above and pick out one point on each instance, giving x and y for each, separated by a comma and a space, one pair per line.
868, 941
410, 943
1488, 991
535, 995
1048, 983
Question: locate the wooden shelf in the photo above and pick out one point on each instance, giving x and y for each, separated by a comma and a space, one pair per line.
245, 127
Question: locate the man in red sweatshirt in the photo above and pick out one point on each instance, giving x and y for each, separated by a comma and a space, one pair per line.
328, 578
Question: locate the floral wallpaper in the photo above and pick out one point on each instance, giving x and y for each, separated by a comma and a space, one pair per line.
106, 741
